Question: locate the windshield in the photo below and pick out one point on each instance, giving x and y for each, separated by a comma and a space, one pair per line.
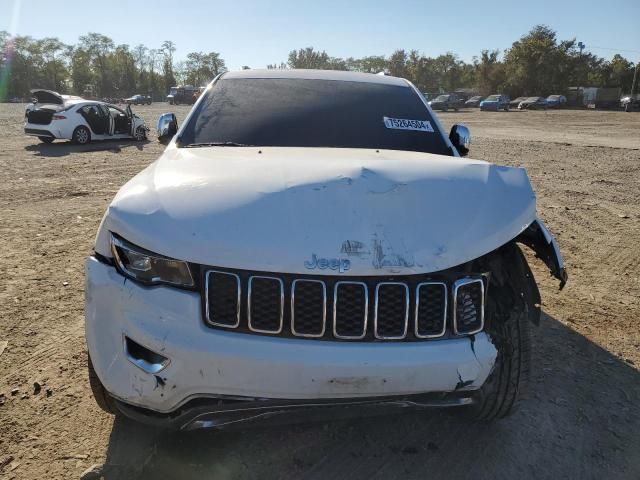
553, 97
441, 98
492, 98
313, 113
173, 91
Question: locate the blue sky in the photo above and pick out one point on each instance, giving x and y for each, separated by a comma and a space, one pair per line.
255, 33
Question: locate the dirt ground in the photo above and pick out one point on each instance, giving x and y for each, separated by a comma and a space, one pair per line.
581, 420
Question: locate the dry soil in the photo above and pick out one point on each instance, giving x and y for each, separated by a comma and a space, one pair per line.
581, 420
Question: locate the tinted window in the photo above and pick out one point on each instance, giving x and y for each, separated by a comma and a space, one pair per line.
310, 113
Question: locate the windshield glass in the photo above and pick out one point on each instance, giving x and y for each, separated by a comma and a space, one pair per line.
442, 98
173, 91
313, 113
492, 98
553, 97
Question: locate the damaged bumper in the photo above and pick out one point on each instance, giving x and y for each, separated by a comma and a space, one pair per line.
190, 363
230, 413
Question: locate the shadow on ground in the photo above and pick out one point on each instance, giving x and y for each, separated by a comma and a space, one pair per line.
62, 149
580, 421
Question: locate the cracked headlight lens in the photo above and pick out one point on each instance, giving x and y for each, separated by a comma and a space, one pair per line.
148, 267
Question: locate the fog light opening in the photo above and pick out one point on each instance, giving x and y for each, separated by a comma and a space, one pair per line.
143, 358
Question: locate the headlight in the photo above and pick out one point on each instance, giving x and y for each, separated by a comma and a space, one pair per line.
148, 267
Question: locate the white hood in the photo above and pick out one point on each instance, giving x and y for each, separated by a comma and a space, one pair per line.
271, 209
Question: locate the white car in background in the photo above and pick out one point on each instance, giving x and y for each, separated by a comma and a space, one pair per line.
53, 116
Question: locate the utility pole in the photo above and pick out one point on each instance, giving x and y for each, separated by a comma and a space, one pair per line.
635, 79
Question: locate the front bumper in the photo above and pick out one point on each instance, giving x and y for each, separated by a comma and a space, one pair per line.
212, 364
243, 412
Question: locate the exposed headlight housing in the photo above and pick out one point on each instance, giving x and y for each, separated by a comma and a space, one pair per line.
147, 267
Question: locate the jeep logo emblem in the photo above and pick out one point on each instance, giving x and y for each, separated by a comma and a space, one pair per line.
340, 264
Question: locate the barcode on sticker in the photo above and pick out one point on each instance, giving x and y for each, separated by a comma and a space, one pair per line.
405, 124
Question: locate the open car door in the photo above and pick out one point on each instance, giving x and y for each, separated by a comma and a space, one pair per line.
109, 120
132, 124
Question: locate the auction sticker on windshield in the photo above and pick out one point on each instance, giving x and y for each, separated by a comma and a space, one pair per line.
404, 124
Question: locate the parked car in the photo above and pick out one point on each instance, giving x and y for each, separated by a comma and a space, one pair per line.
139, 100
410, 289
56, 116
516, 101
533, 103
630, 102
473, 101
556, 101
446, 102
495, 103
186, 95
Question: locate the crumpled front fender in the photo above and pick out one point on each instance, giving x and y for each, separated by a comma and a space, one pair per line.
537, 237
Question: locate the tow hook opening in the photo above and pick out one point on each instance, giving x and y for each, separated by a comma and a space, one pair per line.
144, 358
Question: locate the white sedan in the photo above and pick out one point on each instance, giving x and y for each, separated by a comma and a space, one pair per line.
53, 116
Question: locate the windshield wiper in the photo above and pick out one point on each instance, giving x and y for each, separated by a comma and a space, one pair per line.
215, 144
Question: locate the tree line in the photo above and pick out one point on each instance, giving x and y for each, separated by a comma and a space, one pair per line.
96, 66
536, 64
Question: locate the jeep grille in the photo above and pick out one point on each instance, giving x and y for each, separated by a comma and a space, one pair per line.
412, 307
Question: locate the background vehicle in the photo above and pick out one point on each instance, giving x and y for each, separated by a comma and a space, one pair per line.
533, 103
556, 101
473, 101
139, 100
231, 305
606, 97
82, 120
187, 95
630, 102
516, 101
446, 102
495, 103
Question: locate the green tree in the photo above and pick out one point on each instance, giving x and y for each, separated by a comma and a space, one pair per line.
397, 64
309, 58
201, 68
489, 72
99, 47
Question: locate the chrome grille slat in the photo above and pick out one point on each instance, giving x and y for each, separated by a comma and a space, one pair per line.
386, 310
421, 316
210, 315
254, 294
339, 324
303, 319
468, 283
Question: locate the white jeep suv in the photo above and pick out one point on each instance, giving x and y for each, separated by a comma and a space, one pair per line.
313, 240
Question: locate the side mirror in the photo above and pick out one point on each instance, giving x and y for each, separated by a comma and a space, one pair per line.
167, 127
461, 138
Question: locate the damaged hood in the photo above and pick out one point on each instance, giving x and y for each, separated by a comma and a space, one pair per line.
273, 209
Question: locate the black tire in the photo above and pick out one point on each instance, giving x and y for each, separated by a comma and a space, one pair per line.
141, 134
510, 311
100, 394
445, 108
46, 139
81, 136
